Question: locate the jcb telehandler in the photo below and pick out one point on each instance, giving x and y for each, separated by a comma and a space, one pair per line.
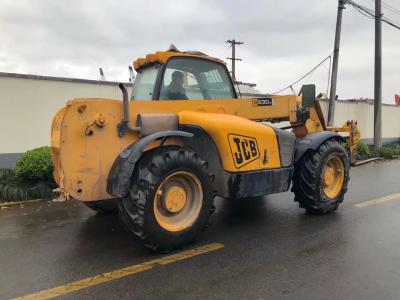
183, 138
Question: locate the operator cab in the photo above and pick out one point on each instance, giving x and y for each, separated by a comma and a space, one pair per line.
175, 75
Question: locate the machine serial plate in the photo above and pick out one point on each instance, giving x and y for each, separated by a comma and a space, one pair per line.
262, 102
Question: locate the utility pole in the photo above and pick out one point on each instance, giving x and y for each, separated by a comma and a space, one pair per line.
378, 76
233, 43
332, 95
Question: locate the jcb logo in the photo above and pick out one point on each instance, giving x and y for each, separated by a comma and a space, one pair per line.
244, 149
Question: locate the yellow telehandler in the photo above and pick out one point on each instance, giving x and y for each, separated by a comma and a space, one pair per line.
184, 137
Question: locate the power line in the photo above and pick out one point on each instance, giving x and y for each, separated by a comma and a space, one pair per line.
329, 74
364, 11
370, 13
304, 76
226, 50
390, 23
393, 10
389, 7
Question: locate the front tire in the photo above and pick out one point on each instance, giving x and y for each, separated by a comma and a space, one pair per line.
320, 178
171, 198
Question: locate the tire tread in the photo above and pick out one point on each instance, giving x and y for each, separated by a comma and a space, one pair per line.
307, 185
151, 173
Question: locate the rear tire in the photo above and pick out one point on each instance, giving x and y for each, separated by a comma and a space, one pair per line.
171, 199
320, 178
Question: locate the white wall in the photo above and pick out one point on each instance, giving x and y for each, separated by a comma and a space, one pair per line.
363, 113
28, 104
27, 107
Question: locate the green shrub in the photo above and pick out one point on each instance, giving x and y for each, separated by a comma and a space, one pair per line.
13, 188
395, 148
364, 151
31, 179
346, 145
386, 152
389, 151
35, 165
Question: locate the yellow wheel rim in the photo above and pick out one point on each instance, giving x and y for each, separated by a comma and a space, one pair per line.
333, 176
178, 201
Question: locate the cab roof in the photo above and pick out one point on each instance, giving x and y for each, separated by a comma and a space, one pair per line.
163, 56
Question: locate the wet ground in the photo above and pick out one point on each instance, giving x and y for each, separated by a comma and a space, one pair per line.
272, 249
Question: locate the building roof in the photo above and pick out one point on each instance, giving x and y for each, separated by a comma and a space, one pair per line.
64, 79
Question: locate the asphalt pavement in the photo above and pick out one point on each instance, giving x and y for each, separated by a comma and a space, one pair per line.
271, 249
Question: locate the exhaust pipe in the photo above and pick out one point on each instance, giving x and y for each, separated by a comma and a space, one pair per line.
125, 101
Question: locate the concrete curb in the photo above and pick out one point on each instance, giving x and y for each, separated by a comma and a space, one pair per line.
11, 203
363, 162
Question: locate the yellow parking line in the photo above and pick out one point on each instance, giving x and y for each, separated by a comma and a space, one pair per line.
378, 201
109, 276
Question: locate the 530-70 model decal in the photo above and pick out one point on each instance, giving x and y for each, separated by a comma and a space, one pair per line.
244, 149
266, 101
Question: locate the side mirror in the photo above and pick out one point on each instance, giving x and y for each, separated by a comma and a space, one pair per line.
308, 95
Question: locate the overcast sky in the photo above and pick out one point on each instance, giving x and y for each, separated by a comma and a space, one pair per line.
283, 39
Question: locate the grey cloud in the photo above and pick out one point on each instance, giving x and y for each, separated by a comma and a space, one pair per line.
283, 39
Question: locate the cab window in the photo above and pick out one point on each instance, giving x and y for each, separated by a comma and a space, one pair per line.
195, 79
143, 88
179, 85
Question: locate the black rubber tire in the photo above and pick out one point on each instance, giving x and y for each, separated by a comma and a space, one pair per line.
104, 206
136, 210
308, 183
